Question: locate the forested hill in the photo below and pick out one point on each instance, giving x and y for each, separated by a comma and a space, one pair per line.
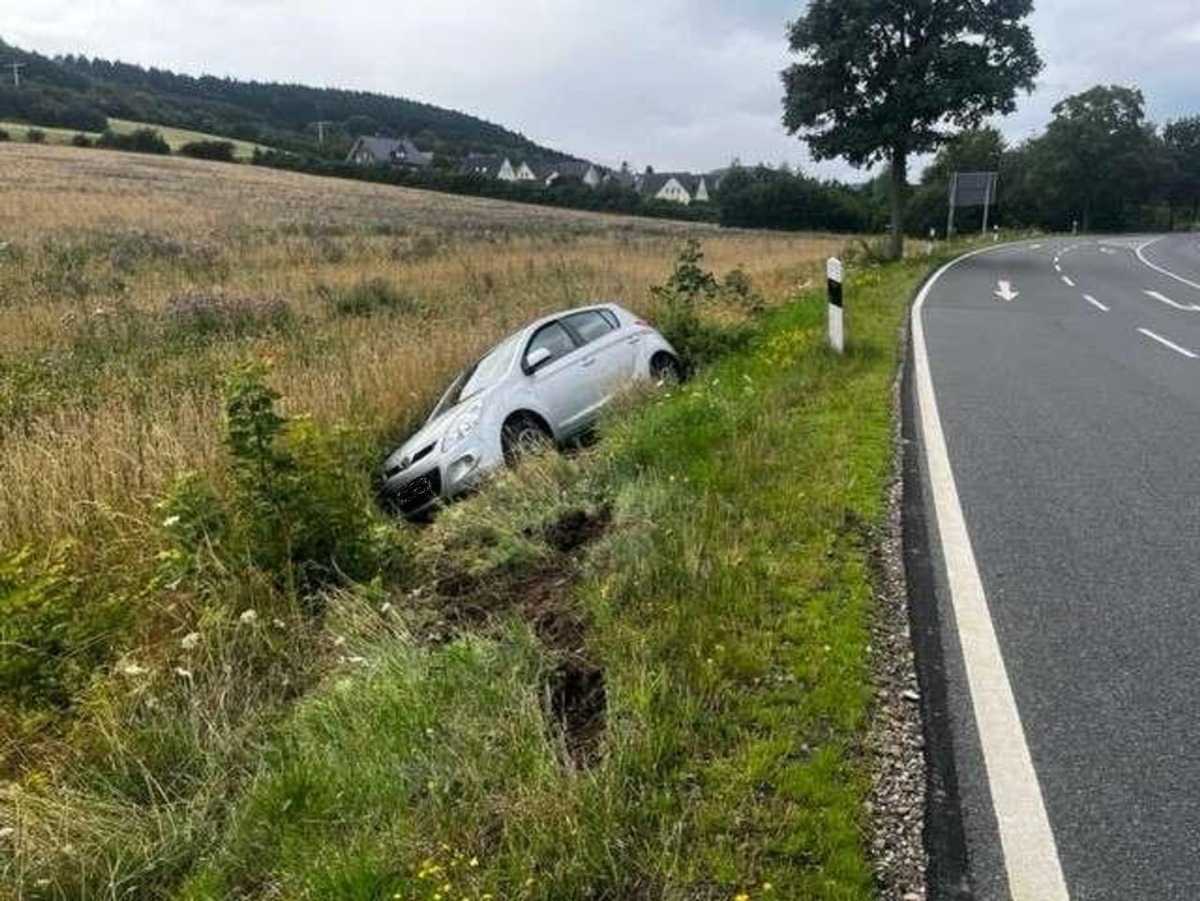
80, 93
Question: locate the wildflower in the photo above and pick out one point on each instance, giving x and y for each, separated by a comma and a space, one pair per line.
339, 640
473, 862
741, 896
189, 641
133, 669
7, 832
768, 887
357, 661
183, 673
248, 617
385, 609
170, 522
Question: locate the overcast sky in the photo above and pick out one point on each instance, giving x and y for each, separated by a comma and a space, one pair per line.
677, 84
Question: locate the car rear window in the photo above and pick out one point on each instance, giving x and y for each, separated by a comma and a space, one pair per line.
590, 325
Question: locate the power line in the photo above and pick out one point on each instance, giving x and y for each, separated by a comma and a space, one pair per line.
16, 71
321, 131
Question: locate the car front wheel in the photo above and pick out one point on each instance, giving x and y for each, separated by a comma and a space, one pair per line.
665, 369
524, 436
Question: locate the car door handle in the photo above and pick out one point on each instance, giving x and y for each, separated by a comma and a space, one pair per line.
636, 339
590, 361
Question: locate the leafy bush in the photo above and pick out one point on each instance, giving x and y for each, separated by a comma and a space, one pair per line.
81, 140
221, 151
687, 288
51, 629
3, 135
35, 136
372, 295
143, 140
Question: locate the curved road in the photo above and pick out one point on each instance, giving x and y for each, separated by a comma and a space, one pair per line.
1063, 378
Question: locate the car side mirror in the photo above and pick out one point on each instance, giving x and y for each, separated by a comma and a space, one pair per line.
536, 359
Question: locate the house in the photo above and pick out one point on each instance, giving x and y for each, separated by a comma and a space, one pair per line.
525, 172
673, 187
490, 165
377, 151
580, 170
676, 187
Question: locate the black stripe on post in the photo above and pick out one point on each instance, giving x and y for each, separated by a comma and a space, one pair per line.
835, 292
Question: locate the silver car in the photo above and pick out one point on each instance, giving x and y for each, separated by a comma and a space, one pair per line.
546, 383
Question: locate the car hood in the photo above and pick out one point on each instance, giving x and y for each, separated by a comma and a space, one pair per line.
428, 435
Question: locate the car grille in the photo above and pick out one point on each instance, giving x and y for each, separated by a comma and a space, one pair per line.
419, 492
407, 462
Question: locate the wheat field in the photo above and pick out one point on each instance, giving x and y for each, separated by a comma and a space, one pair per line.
110, 264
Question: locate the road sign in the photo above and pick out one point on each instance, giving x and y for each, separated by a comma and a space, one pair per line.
971, 189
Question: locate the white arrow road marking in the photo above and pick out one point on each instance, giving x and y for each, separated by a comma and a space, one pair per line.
1030, 853
1162, 297
1035, 246
1165, 343
1095, 303
1006, 293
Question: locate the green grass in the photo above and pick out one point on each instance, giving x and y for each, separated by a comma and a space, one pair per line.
175, 137
729, 610
727, 606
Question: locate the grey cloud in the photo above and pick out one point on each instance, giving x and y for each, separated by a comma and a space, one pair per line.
672, 83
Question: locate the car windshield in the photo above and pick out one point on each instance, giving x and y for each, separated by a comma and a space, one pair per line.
482, 375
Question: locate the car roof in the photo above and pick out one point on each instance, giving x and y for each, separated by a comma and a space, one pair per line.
611, 307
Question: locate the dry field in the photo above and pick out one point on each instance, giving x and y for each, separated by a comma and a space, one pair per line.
130, 285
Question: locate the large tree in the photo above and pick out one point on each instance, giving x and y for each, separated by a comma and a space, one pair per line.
1182, 138
880, 80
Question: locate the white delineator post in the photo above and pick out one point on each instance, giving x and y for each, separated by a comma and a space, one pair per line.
833, 278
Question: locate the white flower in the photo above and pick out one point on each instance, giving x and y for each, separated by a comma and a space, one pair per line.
170, 521
133, 669
278, 623
7, 832
248, 617
339, 640
386, 609
189, 641
357, 661
183, 673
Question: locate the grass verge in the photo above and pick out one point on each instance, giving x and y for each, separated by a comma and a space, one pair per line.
638, 672
728, 609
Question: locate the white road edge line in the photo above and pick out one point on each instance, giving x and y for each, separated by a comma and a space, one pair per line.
1095, 302
1142, 256
1068, 282
1171, 344
1030, 853
1164, 299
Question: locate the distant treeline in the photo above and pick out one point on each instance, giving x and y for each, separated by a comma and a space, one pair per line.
79, 93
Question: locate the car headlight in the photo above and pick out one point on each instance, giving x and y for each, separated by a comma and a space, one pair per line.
462, 426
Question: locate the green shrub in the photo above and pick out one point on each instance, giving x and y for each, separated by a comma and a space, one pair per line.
221, 151
81, 140
3, 135
143, 140
35, 136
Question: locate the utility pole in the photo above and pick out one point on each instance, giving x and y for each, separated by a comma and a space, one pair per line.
321, 131
16, 71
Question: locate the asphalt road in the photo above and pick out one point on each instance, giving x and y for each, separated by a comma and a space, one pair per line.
1071, 420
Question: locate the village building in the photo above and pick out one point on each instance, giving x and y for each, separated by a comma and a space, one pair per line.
399, 152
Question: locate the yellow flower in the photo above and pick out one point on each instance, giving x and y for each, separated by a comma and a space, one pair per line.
474, 862
741, 896
768, 887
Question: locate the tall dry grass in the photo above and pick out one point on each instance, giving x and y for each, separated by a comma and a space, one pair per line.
101, 407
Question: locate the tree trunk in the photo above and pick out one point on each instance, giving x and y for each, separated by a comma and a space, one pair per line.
898, 188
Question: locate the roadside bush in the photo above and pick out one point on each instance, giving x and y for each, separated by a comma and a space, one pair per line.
685, 291
35, 136
220, 151
81, 140
3, 135
372, 295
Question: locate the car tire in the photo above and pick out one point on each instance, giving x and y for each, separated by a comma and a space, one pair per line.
666, 369
523, 437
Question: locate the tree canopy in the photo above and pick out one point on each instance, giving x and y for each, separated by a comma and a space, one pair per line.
879, 80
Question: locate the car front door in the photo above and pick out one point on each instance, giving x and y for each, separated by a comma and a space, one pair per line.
555, 366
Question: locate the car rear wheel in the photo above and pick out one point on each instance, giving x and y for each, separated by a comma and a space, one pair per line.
524, 436
665, 369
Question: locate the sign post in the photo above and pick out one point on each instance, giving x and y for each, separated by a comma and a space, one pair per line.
833, 281
971, 189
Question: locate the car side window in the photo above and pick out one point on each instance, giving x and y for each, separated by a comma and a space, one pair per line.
554, 338
589, 325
